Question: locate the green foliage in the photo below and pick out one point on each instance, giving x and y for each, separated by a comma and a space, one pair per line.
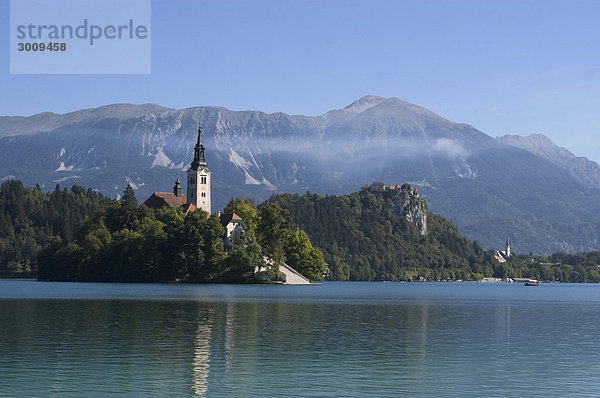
29, 218
363, 238
303, 257
124, 242
272, 232
129, 198
245, 208
558, 267
129, 243
243, 259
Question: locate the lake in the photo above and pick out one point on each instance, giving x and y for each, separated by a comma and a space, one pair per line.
335, 339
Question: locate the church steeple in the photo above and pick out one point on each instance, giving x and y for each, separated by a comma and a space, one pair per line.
198, 152
198, 182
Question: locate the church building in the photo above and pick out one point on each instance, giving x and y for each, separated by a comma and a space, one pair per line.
198, 186
503, 255
199, 196
198, 178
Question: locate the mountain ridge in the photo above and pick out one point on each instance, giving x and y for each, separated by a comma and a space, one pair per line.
18, 125
585, 170
485, 186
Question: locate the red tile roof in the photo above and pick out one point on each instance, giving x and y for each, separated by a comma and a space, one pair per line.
162, 199
188, 208
226, 218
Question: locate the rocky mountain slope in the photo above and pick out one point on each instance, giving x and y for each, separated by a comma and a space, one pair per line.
585, 170
486, 187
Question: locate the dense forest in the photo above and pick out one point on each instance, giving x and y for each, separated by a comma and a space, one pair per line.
29, 218
363, 238
558, 267
360, 236
126, 242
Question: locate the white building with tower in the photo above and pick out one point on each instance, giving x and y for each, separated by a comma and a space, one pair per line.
198, 178
503, 255
198, 196
198, 186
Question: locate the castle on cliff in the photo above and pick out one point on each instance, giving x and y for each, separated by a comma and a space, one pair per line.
377, 186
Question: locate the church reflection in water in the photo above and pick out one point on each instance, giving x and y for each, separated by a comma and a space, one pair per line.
238, 348
215, 346
202, 350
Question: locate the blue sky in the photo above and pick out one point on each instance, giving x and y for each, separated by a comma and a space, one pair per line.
506, 67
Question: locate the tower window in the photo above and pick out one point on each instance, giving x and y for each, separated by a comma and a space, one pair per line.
202, 180
204, 194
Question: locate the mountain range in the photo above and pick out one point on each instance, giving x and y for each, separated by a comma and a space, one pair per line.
581, 168
542, 197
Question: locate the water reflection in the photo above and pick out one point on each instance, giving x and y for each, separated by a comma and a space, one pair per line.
202, 349
247, 348
230, 322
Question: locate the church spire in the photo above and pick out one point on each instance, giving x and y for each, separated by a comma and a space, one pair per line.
198, 186
198, 152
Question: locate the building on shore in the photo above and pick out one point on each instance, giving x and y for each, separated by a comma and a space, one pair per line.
503, 255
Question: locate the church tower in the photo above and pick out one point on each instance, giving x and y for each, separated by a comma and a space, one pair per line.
507, 247
198, 178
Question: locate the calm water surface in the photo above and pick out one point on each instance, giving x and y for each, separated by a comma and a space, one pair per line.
334, 339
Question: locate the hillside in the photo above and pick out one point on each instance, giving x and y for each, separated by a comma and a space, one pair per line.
387, 235
30, 218
486, 187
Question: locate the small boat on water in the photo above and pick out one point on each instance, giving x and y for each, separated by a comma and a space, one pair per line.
532, 282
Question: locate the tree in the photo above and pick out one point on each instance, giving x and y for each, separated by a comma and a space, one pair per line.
272, 231
29, 218
190, 259
59, 262
303, 257
245, 208
213, 248
367, 236
173, 221
244, 258
129, 198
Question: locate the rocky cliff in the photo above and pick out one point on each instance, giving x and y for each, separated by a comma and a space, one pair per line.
407, 204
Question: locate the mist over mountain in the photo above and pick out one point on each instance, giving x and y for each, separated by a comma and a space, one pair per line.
487, 187
583, 169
